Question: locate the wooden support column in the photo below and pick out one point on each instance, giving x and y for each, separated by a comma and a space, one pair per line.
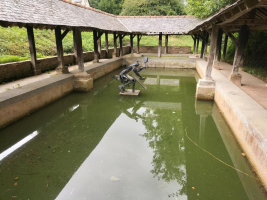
240, 48
213, 42
160, 45
60, 53
99, 44
203, 45
166, 43
194, 48
138, 43
32, 48
225, 47
96, 54
197, 44
115, 45
206, 44
131, 42
106, 44
121, 50
219, 46
78, 48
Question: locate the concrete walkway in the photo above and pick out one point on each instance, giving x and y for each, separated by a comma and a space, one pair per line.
25, 81
254, 87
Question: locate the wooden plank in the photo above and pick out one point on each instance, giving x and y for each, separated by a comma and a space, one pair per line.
106, 44
60, 53
115, 45
96, 54
78, 48
213, 41
32, 48
166, 43
225, 47
64, 34
240, 48
160, 45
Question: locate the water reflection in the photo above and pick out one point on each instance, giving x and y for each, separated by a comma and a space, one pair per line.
104, 146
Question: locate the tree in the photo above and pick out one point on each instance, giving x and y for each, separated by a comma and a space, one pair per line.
205, 8
152, 8
109, 6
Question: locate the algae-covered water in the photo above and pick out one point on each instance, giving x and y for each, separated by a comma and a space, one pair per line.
100, 145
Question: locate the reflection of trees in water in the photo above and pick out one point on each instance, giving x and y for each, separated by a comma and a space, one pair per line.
166, 138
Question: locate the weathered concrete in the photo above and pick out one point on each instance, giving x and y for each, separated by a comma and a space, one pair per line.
236, 78
246, 118
171, 49
19, 102
16, 70
205, 89
82, 82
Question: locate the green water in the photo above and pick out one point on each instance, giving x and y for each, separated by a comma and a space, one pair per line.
99, 145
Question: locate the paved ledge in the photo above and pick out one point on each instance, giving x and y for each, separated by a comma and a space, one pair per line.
245, 116
19, 102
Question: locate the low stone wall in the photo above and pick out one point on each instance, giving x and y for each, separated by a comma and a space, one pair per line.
16, 70
171, 49
246, 118
176, 63
19, 102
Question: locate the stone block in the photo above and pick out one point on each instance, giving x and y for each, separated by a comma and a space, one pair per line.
205, 89
236, 78
83, 82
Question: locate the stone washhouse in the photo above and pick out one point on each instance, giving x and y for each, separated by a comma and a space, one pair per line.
62, 16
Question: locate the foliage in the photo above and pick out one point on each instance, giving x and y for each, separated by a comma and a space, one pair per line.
10, 58
109, 6
205, 8
152, 8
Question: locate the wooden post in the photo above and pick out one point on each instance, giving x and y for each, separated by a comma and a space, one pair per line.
166, 43
138, 44
194, 48
78, 48
131, 42
99, 44
240, 48
115, 45
96, 55
225, 47
60, 53
219, 46
160, 45
121, 51
213, 41
106, 44
32, 48
206, 44
203, 45
197, 44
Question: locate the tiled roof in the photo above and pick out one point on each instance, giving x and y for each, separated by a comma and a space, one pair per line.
50, 13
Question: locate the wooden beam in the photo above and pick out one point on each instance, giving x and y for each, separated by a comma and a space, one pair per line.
197, 44
219, 45
131, 43
213, 41
106, 44
60, 53
248, 22
96, 54
240, 49
35, 67
121, 49
225, 47
166, 43
78, 48
99, 43
138, 44
230, 35
160, 45
64, 34
115, 45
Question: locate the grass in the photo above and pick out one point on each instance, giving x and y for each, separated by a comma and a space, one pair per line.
14, 43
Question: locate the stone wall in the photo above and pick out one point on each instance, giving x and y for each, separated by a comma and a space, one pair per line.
16, 70
171, 49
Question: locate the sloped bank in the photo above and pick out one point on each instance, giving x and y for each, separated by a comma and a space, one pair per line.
246, 118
